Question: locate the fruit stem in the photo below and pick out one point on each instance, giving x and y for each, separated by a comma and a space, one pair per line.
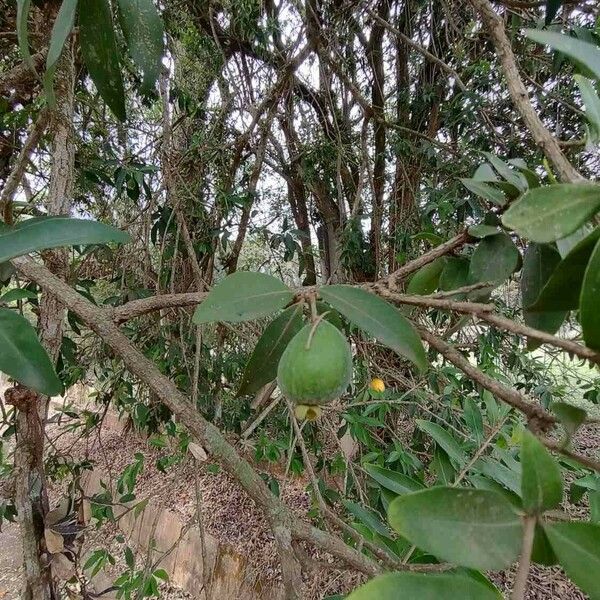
312, 299
315, 324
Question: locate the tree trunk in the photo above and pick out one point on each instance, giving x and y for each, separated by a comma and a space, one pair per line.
32, 499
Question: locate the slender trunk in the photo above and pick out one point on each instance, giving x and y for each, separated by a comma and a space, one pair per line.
375, 57
29, 454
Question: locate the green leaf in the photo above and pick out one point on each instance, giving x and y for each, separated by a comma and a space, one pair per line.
443, 439
485, 483
586, 54
483, 231
262, 366
542, 552
144, 31
22, 32
442, 467
485, 190
578, 551
17, 294
101, 55
549, 213
485, 172
42, 233
23, 358
494, 259
502, 168
473, 419
333, 316
594, 498
63, 25
541, 481
472, 528
392, 480
426, 279
408, 586
589, 315
571, 417
539, 263
161, 574
243, 296
368, 517
563, 289
531, 177
378, 318
455, 274
500, 473
591, 101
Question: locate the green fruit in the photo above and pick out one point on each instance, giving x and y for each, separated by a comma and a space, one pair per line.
316, 371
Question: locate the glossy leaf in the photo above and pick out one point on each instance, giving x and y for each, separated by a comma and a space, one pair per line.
22, 31
539, 263
426, 279
482, 231
549, 213
494, 259
513, 177
589, 314
60, 30
392, 480
443, 439
563, 289
577, 547
377, 318
42, 233
262, 366
541, 481
101, 55
584, 53
472, 528
486, 191
23, 358
243, 296
144, 31
406, 586
63, 25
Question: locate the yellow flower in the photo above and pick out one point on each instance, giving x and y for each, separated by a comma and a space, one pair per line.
377, 385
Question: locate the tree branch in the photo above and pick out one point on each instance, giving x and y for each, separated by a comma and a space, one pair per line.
414, 265
539, 419
518, 92
16, 176
100, 321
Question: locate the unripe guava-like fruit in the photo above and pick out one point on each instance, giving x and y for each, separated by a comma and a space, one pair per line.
318, 370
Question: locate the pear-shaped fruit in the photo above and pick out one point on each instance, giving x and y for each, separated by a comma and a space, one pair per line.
315, 369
